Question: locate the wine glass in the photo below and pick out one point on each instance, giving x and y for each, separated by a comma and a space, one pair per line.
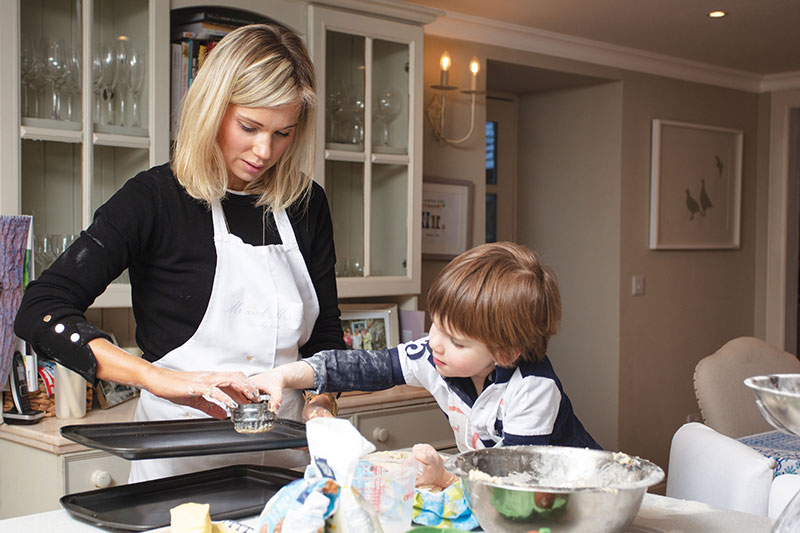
72, 81
136, 67
121, 53
54, 72
388, 104
97, 83
30, 73
108, 81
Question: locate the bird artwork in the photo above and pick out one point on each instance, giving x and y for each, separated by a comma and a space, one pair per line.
691, 204
720, 165
705, 201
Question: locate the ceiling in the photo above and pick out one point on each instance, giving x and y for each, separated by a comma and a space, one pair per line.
758, 37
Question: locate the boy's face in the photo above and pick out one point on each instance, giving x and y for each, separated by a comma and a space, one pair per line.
457, 356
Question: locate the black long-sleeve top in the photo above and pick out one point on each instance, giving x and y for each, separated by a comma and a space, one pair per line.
166, 240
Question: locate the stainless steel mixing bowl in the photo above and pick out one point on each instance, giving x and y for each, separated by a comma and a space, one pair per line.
523, 488
778, 399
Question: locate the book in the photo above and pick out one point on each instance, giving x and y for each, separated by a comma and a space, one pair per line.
200, 30
177, 88
231, 17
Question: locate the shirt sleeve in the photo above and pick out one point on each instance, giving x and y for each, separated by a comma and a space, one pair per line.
51, 315
315, 233
345, 370
529, 410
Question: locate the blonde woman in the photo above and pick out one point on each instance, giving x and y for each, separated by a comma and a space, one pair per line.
229, 250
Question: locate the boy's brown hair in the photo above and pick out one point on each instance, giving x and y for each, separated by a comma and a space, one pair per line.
501, 295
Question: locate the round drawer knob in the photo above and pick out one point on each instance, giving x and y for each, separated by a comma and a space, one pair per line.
101, 479
380, 434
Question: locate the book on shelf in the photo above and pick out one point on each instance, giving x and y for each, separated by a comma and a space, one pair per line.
176, 85
219, 15
200, 31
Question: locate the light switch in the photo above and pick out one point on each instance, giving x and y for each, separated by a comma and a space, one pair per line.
637, 288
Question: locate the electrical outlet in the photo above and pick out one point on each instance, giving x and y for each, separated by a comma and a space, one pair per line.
637, 286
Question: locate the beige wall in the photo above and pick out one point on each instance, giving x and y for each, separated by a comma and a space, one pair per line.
694, 301
569, 169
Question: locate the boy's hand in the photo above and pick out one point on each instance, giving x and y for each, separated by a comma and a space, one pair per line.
271, 382
432, 470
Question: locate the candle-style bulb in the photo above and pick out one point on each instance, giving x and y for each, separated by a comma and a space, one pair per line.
445, 61
474, 67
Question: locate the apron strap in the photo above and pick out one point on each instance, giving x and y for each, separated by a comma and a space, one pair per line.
285, 229
218, 219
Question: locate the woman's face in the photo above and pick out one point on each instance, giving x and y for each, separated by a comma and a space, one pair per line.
253, 139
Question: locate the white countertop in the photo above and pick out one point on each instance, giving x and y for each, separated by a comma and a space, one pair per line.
45, 435
658, 514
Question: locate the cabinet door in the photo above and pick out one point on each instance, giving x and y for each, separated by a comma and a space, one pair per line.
82, 117
369, 116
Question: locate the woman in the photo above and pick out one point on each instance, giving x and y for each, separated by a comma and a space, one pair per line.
229, 250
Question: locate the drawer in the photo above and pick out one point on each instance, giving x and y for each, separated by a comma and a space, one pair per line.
92, 470
402, 427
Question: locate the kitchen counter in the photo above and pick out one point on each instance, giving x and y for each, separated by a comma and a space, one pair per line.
658, 514
45, 435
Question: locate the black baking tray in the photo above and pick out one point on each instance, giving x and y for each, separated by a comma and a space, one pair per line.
182, 438
232, 492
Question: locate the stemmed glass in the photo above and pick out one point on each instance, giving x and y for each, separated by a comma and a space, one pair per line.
54, 72
72, 81
137, 73
122, 53
108, 81
388, 104
30, 74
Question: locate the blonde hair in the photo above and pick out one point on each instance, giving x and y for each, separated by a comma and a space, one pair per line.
260, 65
501, 295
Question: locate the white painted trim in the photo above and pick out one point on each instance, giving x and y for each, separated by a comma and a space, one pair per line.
495, 33
777, 219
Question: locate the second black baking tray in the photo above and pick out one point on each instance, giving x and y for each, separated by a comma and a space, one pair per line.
182, 438
232, 492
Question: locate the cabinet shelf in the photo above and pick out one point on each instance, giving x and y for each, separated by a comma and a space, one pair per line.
120, 141
38, 133
115, 295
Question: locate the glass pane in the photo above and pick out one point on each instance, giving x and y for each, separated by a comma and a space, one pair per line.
344, 79
51, 193
50, 51
390, 99
112, 168
389, 237
119, 67
491, 153
491, 217
344, 186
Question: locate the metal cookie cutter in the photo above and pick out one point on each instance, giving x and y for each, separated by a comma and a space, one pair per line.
254, 417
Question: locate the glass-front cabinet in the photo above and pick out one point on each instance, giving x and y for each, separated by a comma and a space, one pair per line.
79, 115
370, 165
85, 104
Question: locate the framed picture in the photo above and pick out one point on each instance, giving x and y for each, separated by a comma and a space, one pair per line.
446, 217
370, 326
695, 186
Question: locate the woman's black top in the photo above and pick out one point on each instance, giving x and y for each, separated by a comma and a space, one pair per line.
165, 239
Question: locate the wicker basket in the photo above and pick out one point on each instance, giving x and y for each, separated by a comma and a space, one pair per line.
41, 401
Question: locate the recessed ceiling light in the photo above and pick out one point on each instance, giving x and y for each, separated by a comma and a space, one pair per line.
716, 14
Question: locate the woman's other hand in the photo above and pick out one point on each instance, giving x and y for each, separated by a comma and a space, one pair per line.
431, 470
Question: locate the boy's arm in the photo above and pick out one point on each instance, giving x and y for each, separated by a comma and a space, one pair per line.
334, 371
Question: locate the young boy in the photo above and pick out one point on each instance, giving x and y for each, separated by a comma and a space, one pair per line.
493, 310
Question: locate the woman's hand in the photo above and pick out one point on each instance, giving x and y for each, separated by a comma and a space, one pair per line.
432, 470
206, 391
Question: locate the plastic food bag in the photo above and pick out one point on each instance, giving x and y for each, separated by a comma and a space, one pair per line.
446, 508
324, 498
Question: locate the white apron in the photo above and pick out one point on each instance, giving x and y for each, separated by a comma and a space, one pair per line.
262, 309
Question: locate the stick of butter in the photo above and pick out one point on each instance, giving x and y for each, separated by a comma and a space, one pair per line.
190, 518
